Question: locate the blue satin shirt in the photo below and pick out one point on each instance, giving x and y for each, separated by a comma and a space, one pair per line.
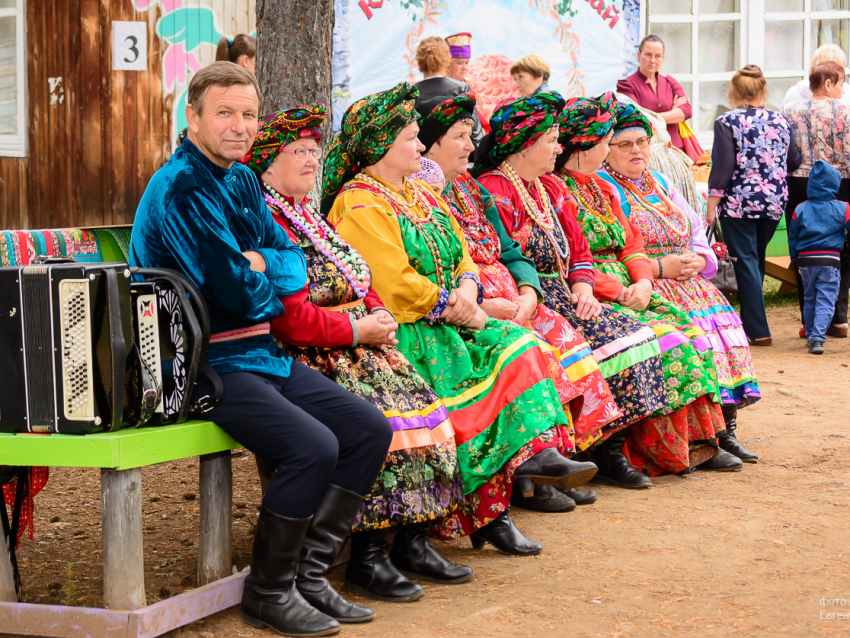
198, 218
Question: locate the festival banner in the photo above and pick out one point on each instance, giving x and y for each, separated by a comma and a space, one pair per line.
589, 44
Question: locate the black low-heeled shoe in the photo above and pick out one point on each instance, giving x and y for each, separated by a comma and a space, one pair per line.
550, 467
544, 498
722, 462
505, 537
415, 557
580, 497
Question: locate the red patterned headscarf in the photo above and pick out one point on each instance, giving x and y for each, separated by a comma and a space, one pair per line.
276, 130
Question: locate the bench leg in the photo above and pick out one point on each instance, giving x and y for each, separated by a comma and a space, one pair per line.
123, 561
215, 543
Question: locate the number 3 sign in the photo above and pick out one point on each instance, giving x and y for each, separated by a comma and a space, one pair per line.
129, 46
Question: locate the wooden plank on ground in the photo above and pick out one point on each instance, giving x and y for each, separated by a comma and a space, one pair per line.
120, 450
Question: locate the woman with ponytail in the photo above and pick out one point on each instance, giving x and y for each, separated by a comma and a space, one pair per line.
241, 50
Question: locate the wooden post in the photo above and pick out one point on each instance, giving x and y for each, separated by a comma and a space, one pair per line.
7, 576
123, 562
215, 543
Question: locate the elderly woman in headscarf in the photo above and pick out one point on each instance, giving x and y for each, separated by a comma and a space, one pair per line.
518, 151
682, 264
682, 435
338, 325
512, 288
491, 375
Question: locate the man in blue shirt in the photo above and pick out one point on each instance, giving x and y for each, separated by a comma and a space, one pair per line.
202, 214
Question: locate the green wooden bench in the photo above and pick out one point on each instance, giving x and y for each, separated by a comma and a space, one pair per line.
121, 455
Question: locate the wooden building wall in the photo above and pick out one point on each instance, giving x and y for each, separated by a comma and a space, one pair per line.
93, 146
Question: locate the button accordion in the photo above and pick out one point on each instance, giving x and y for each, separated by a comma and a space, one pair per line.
83, 348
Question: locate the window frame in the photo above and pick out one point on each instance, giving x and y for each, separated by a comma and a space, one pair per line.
753, 19
16, 145
694, 19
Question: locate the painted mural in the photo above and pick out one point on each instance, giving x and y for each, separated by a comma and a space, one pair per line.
190, 30
589, 44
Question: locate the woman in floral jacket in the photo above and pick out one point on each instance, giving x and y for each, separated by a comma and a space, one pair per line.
752, 154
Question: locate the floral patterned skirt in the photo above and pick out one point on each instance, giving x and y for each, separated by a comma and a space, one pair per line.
675, 442
493, 498
626, 351
708, 308
573, 369
420, 481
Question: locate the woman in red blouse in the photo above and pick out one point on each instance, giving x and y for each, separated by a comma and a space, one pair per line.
338, 326
659, 93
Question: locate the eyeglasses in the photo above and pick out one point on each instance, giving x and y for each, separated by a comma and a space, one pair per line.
302, 153
627, 146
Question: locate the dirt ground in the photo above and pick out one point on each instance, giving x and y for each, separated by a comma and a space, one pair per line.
751, 553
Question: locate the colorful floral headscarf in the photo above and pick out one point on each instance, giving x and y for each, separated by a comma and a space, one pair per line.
584, 123
516, 125
628, 116
440, 113
276, 130
369, 128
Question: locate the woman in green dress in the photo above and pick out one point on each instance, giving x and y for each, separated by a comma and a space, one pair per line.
491, 375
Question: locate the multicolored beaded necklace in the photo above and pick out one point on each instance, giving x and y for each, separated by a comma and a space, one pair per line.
470, 214
590, 196
325, 239
545, 218
675, 219
406, 209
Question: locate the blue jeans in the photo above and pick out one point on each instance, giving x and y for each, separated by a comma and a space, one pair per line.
820, 285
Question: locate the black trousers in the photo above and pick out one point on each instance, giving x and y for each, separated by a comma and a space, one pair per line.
747, 241
312, 431
797, 195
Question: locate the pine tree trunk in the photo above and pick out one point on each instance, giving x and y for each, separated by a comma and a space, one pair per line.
295, 53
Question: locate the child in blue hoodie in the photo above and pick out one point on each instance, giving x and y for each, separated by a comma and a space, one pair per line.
815, 240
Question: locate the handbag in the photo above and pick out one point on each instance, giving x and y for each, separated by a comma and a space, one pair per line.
689, 142
724, 279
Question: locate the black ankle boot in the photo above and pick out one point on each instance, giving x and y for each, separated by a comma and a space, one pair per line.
614, 467
416, 558
553, 468
727, 439
328, 530
506, 537
580, 497
270, 598
722, 462
371, 573
544, 498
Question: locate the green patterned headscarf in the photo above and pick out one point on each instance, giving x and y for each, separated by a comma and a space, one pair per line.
440, 113
276, 130
584, 123
628, 116
516, 125
369, 128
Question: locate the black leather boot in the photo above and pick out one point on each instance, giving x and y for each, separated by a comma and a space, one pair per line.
722, 462
580, 497
544, 498
727, 439
553, 468
371, 573
506, 537
416, 558
270, 598
614, 467
328, 530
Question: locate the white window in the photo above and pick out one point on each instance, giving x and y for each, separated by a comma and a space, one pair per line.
708, 40
13, 125
703, 43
